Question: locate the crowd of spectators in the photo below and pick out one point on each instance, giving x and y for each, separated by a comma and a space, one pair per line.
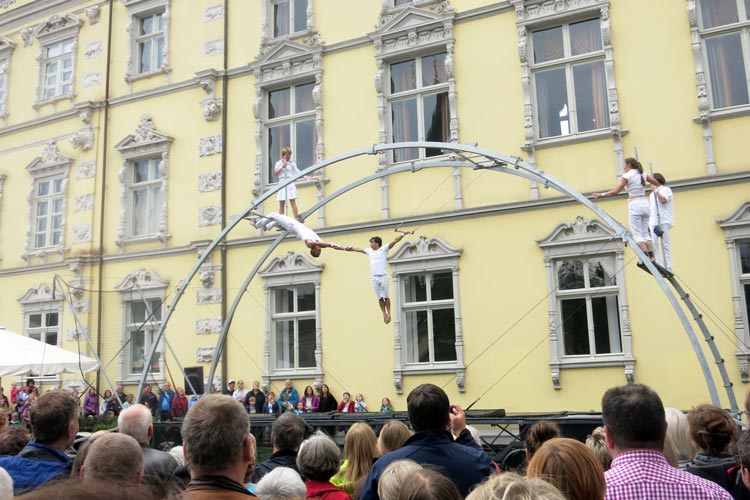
643, 451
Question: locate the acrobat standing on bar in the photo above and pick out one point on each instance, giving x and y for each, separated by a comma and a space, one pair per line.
378, 255
304, 233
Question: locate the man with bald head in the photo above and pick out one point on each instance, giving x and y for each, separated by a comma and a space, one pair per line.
116, 457
159, 467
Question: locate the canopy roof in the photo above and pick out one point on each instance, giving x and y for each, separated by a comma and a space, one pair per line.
21, 355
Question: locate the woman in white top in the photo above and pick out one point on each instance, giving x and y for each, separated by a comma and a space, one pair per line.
284, 169
634, 181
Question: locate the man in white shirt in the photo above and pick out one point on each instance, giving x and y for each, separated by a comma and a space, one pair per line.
662, 215
304, 233
378, 255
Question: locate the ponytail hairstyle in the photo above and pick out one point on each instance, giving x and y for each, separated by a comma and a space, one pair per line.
633, 163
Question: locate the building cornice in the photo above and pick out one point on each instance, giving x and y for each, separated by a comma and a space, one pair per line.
29, 13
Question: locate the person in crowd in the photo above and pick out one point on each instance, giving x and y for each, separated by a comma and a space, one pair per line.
386, 406
149, 400
310, 402
392, 436
511, 486
346, 405
713, 431
159, 467
317, 462
661, 220
165, 402
120, 392
229, 389
91, 403
6, 485
571, 467
327, 400
287, 433
13, 440
179, 405
635, 428
394, 476
182, 475
240, 393
54, 425
378, 255
635, 181
431, 415
359, 404
282, 483
104, 406
678, 437
285, 169
289, 397
114, 457
128, 401
14, 390
598, 444
219, 448
114, 407
360, 450
271, 406
300, 410
250, 407
429, 484
83, 451
15, 419
258, 395
743, 457
537, 434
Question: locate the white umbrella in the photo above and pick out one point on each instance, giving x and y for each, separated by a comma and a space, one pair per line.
20, 355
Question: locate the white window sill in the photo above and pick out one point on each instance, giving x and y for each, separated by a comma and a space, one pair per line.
416, 161
153, 378
293, 36
300, 183
150, 238
292, 373
431, 368
617, 359
565, 140
55, 99
132, 77
725, 113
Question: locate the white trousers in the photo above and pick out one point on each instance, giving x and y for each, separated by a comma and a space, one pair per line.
663, 257
638, 213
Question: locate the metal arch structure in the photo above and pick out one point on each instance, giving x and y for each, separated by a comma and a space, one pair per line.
481, 159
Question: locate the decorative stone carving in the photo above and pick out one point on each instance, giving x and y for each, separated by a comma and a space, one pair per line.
86, 170
143, 279
82, 306
92, 79
210, 145
208, 296
213, 47
398, 383
93, 49
83, 202
205, 326
213, 13
93, 13
54, 29
209, 181
82, 139
4, 4
82, 233
40, 293
211, 109
27, 35
204, 354
528, 11
209, 216
75, 384
135, 9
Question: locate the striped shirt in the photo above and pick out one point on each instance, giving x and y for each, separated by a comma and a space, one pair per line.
646, 475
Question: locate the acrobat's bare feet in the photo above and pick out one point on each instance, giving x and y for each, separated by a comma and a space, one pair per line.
387, 318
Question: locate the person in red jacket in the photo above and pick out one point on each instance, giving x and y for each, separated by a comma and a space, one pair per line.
318, 460
346, 405
179, 405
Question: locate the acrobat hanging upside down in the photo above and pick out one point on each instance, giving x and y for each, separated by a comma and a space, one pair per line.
304, 233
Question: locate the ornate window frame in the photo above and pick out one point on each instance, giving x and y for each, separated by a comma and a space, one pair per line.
40, 300
138, 286
533, 14
136, 10
284, 64
583, 238
268, 38
290, 270
6, 50
56, 29
426, 255
405, 32
146, 142
737, 230
52, 164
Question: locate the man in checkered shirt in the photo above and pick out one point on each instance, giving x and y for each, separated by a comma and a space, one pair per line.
634, 427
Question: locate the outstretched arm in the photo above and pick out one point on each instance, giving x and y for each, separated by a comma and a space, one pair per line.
399, 237
325, 244
620, 186
351, 248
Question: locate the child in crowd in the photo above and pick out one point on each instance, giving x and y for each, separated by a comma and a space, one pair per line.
386, 406
300, 409
359, 404
251, 405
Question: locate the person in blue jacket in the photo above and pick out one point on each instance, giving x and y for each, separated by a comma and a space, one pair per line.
431, 416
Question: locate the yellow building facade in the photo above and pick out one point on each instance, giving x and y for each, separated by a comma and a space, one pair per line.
132, 131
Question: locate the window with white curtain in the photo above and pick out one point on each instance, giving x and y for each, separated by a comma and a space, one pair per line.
146, 199
150, 41
289, 16
569, 79
418, 98
293, 327
725, 34
290, 122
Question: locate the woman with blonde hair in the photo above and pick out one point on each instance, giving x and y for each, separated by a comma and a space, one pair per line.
597, 443
360, 450
393, 477
511, 486
678, 438
392, 436
571, 467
